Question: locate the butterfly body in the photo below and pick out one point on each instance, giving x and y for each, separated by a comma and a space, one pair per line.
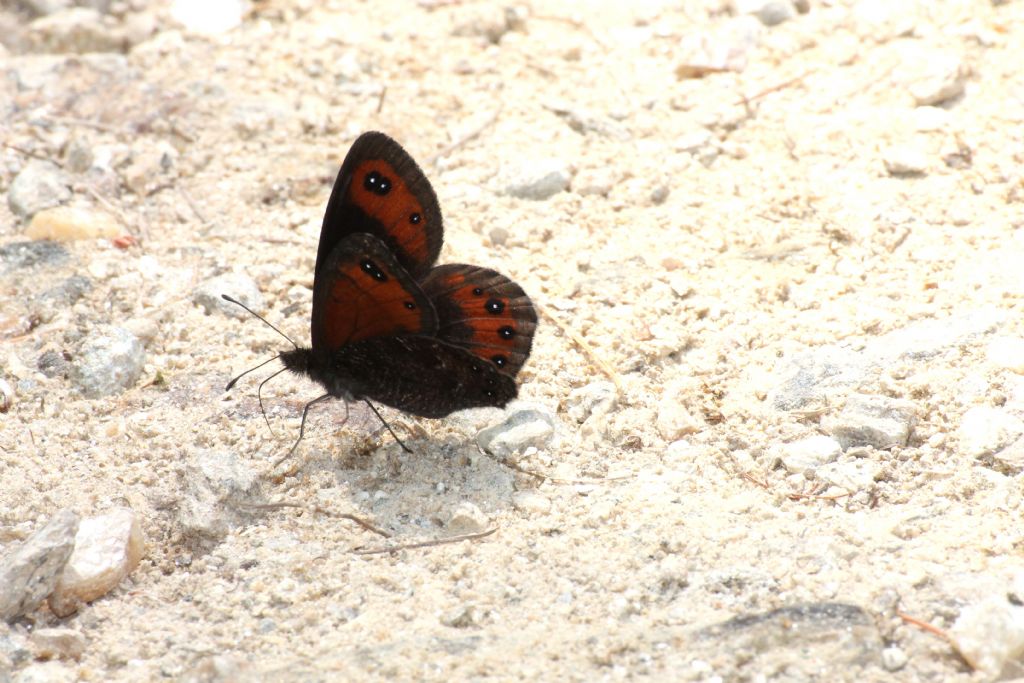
387, 324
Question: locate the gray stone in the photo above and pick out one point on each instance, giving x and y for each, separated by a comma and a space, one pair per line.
19, 255
57, 643
218, 486
29, 573
43, 7
75, 30
108, 361
538, 179
517, 432
807, 379
769, 12
805, 455
40, 185
843, 635
236, 285
876, 421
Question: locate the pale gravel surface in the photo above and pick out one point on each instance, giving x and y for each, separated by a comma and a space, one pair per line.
782, 232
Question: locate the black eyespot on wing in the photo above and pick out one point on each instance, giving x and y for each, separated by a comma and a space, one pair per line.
506, 332
376, 183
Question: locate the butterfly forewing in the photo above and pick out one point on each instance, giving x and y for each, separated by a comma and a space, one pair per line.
363, 292
484, 312
382, 192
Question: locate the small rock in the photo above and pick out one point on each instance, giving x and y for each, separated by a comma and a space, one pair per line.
674, 421
990, 634
467, 519
894, 658
18, 255
840, 634
108, 361
40, 185
723, 49
939, 78
769, 12
67, 291
1007, 353
45, 672
873, 421
107, 548
985, 430
68, 223
209, 17
54, 364
531, 502
236, 285
806, 455
853, 476
30, 572
537, 179
594, 398
222, 669
906, 161
489, 22
498, 236
462, 616
78, 155
14, 650
517, 432
77, 30
40, 8
217, 484
7, 396
57, 643
805, 381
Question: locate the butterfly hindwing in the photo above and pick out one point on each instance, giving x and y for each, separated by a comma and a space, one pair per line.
381, 191
483, 312
364, 292
422, 375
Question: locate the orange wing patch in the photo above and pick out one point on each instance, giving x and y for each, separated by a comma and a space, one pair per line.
367, 294
384, 195
483, 312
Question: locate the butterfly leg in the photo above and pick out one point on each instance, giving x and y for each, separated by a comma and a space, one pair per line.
385, 423
302, 427
259, 395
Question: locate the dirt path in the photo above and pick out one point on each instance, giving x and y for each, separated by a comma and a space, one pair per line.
797, 248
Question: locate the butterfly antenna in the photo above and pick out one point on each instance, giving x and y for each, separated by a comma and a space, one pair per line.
257, 315
232, 383
302, 427
385, 423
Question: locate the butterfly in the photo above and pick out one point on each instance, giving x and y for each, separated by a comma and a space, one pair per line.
388, 325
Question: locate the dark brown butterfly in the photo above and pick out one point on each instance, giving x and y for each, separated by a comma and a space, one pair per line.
390, 326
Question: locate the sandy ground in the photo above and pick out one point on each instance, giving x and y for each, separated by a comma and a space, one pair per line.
827, 217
